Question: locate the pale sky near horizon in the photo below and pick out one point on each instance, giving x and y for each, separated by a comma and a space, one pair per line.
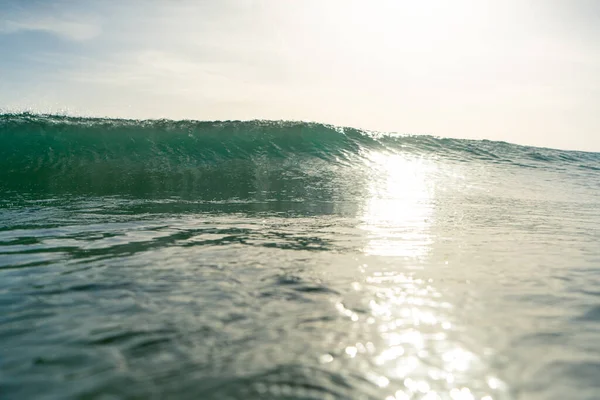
522, 71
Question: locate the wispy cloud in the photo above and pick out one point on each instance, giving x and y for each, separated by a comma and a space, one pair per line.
52, 19
66, 29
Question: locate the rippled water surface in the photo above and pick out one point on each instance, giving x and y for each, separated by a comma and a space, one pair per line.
380, 273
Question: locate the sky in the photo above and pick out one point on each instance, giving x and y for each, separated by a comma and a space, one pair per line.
522, 71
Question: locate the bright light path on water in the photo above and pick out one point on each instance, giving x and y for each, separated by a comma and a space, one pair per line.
410, 316
398, 211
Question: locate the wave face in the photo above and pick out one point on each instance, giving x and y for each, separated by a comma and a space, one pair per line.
51, 153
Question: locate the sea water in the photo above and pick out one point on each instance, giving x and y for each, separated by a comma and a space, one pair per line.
284, 260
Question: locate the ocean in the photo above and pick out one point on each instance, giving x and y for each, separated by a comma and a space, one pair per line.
288, 260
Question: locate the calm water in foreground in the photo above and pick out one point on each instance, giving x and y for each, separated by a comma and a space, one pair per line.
256, 260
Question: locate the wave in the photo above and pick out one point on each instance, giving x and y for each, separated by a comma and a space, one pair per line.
221, 158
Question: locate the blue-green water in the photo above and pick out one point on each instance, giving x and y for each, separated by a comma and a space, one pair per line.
264, 260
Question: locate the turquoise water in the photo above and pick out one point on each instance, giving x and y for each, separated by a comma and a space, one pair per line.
284, 260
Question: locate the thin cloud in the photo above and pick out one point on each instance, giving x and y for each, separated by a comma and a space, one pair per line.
58, 21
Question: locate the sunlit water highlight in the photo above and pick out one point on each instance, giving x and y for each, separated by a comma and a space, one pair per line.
313, 265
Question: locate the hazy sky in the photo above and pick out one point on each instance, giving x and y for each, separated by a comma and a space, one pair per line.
524, 71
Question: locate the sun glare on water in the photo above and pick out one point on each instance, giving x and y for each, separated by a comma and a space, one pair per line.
398, 212
413, 321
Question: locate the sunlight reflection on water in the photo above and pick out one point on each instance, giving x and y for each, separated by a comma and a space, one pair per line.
399, 209
412, 319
